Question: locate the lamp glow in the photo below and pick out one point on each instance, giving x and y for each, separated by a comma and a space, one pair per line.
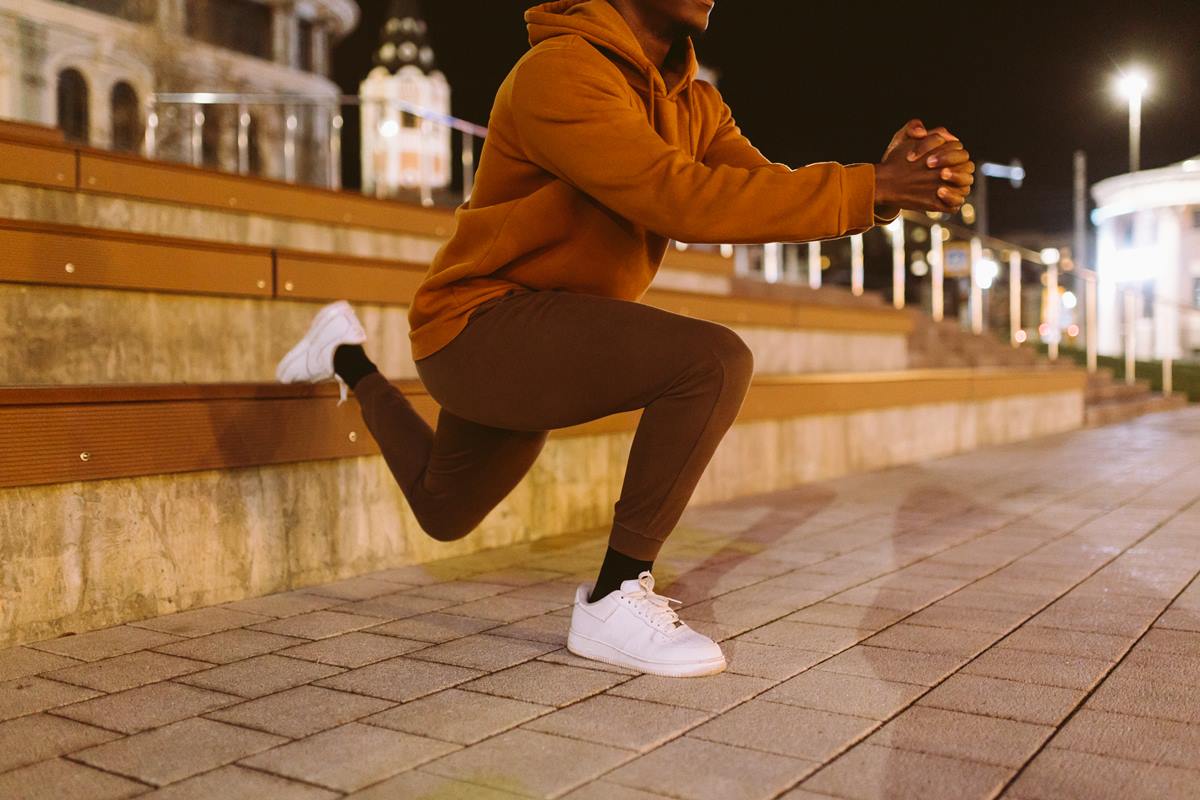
1134, 83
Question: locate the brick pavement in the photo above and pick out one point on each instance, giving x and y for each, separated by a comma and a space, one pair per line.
1020, 621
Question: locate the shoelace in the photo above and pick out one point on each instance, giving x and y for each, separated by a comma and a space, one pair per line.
660, 611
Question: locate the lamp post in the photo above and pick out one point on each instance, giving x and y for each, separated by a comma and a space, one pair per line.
1133, 85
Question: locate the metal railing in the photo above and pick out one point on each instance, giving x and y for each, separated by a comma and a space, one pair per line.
298, 138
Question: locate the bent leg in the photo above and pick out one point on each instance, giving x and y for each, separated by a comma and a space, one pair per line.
451, 478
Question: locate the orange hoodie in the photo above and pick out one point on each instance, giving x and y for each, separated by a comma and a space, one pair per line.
594, 161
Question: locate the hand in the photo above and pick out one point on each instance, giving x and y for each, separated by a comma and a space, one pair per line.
940, 183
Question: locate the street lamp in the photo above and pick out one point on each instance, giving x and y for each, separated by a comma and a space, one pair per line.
1133, 85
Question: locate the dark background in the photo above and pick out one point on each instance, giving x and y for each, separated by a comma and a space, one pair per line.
812, 81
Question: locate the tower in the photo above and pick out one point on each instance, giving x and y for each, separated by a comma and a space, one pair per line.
401, 151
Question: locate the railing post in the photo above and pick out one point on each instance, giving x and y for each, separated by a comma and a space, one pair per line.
426, 132
468, 164
243, 139
976, 287
1014, 297
1052, 304
1090, 319
1168, 377
151, 134
856, 264
814, 265
291, 123
937, 273
899, 267
1130, 337
772, 262
336, 123
197, 136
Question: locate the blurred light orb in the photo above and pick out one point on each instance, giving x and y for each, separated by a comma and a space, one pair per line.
1069, 300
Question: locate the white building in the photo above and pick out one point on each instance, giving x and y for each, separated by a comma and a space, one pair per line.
1149, 241
399, 150
90, 66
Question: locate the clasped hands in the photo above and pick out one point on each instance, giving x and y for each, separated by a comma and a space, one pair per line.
923, 170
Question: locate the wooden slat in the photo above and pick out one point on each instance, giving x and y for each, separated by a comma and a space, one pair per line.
174, 183
357, 280
76, 258
37, 164
776, 313
698, 261
18, 131
145, 430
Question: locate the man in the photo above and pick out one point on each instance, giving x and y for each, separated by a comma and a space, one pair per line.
602, 147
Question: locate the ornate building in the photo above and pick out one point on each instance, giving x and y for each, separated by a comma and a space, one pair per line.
399, 150
90, 66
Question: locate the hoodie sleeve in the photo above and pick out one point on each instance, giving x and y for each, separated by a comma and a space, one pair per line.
730, 147
575, 116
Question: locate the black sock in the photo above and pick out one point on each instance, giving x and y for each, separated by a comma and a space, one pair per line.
351, 364
617, 567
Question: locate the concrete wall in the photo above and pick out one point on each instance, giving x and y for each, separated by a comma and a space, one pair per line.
81, 556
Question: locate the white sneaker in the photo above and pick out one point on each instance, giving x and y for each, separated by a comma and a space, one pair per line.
311, 360
636, 628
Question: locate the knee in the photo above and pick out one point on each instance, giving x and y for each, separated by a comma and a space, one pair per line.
732, 356
446, 527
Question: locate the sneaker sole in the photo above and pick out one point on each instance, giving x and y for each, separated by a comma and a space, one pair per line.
599, 651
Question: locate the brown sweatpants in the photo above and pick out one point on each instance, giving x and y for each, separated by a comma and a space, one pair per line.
531, 362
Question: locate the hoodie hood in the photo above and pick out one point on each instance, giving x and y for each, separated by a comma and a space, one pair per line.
603, 26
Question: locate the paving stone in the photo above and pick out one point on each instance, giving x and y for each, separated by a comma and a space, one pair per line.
318, 624
355, 649
350, 757
901, 666
988, 740
419, 785
239, 783
31, 695
940, 641
1156, 741
529, 763
1163, 640
107, 643
1048, 669
1058, 774
1184, 619
38, 737
127, 671
959, 619
259, 676
518, 576
65, 780
20, 662
871, 772
620, 722
229, 646
459, 591
457, 716
1067, 643
565, 656
285, 604
768, 661
301, 711
545, 684
548, 629
435, 627
201, 621
805, 636
994, 697
1128, 626
842, 615
360, 588
972, 597
399, 605
845, 694
695, 769
1171, 701
146, 706
177, 751
784, 729
1151, 666
605, 790
708, 693
873, 597
502, 609
484, 651
400, 679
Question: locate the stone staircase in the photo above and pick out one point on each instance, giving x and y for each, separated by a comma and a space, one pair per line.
1108, 400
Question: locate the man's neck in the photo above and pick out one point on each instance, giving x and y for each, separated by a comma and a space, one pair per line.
656, 36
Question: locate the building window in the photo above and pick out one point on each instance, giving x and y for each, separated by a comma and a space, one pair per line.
126, 118
240, 25
73, 105
1123, 230
132, 10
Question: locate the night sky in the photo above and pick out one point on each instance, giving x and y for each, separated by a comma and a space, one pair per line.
813, 81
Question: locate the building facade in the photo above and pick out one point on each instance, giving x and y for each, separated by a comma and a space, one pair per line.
1148, 241
91, 67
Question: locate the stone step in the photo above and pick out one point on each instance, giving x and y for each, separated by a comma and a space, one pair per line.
1108, 412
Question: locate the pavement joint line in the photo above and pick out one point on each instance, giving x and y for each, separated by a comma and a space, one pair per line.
1083, 701
1057, 727
71, 757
